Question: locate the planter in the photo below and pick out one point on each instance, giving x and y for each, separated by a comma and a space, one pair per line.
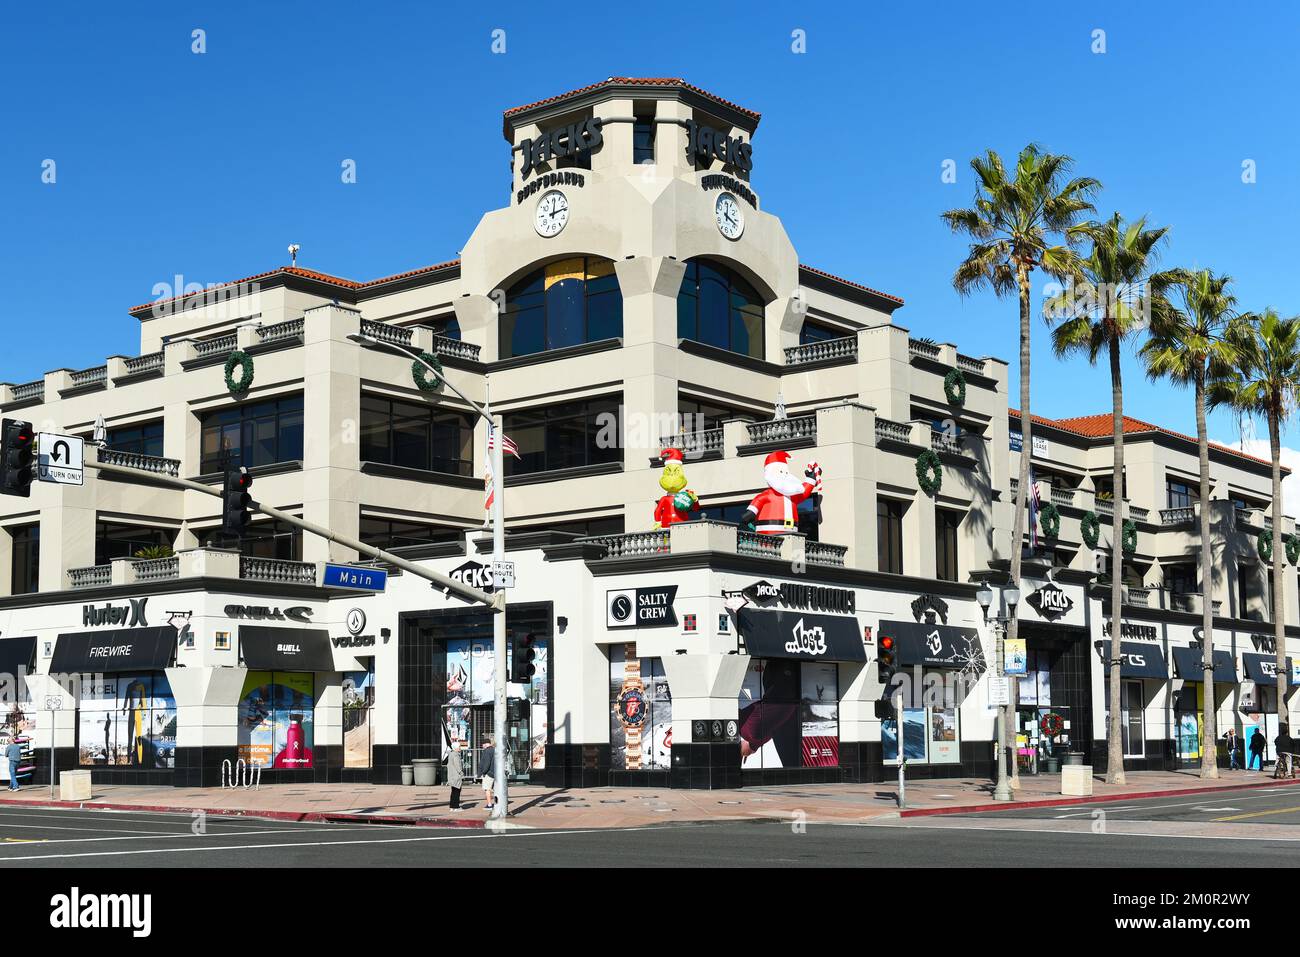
426, 772
1074, 757
408, 775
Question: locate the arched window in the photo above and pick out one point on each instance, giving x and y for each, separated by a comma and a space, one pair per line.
565, 303
717, 307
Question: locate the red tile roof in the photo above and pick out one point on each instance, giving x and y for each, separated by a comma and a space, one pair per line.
1099, 427
848, 282
625, 81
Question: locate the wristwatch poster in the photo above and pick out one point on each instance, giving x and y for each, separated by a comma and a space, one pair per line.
631, 707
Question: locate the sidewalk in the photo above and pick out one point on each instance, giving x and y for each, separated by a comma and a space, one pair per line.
541, 807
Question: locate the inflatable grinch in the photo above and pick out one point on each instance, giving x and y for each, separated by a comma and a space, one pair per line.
680, 501
775, 510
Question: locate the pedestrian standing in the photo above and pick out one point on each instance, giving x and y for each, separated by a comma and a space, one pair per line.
1257, 746
1282, 744
1231, 742
487, 765
14, 752
455, 775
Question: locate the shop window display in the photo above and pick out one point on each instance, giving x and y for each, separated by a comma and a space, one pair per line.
358, 728
789, 714
468, 713
276, 719
19, 726
126, 721
641, 711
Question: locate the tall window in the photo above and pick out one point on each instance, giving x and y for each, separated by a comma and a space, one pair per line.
717, 307
816, 332
1180, 494
271, 539
146, 439
945, 544
389, 534
26, 571
124, 541
259, 433
416, 435
697, 415
566, 436
889, 535
1131, 707
446, 326
1181, 579
565, 303
643, 140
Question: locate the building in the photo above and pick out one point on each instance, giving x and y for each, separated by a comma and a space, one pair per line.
633, 296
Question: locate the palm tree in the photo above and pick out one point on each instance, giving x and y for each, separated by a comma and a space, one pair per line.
1188, 348
1266, 382
1115, 296
1012, 226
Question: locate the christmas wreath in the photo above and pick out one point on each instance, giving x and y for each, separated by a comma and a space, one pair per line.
420, 372
954, 387
1293, 549
1090, 529
1129, 540
1049, 520
929, 472
241, 359
1264, 545
1052, 724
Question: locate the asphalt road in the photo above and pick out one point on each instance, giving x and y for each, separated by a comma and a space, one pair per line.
42, 837
1279, 805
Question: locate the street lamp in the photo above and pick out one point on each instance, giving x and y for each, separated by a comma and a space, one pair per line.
498, 556
1011, 597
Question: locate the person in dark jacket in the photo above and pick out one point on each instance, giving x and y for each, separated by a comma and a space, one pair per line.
1232, 743
1257, 746
1282, 746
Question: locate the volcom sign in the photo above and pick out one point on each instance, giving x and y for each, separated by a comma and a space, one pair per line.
131, 615
1051, 601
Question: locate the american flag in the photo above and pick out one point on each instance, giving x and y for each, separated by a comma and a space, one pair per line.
1034, 506
507, 443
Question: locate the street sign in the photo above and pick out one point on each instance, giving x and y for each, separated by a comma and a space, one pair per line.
53, 702
60, 459
355, 578
504, 574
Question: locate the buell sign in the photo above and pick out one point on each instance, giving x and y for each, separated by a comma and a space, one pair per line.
1051, 601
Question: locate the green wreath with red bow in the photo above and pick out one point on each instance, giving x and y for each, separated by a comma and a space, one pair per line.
1052, 724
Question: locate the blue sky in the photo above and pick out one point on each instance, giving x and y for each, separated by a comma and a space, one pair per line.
207, 166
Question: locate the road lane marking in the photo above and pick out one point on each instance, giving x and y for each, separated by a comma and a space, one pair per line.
1238, 817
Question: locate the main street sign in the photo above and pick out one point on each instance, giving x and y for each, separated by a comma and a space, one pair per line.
355, 578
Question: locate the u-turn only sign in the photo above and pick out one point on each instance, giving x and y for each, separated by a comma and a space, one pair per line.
60, 458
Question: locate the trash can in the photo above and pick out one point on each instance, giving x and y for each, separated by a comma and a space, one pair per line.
408, 775
426, 772
1074, 757
1053, 765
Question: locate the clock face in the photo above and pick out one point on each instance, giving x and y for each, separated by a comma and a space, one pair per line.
552, 213
731, 221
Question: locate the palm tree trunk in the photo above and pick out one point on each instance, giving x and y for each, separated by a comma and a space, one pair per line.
1115, 746
1210, 752
1018, 521
1279, 602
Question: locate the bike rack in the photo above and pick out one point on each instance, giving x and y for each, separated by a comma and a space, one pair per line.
241, 774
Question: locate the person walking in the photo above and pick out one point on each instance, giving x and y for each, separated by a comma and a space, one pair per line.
455, 776
1257, 746
14, 752
1230, 741
1282, 746
487, 764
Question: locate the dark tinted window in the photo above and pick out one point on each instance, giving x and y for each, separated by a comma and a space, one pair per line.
889, 535
258, 433
643, 140
146, 439
125, 541
719, 308
570, 435
945, 544
416, 435
565, 303
26, 571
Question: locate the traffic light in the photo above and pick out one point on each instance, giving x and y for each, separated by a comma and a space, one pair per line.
16, 450
235, 502
887, 662
522, 655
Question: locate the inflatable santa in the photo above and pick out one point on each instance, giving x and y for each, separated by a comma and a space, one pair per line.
774, 511
680, 501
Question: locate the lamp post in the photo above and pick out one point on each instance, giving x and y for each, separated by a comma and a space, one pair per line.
501, 755
1000, 622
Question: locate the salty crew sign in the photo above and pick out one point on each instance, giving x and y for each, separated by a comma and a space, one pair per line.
641, 607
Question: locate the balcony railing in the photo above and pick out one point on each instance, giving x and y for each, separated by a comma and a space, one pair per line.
29, 391
145, 463
942, 441
782, 430
633, 544
1063, 496
1139, 514
694, 443
1183, 515
139, 365
824, 553
927, 350
157, 569
845, 348
383, 332
91, 576
97, 375
970, 364
895, 431
455, 349
217, 345
1139, 597
292, 329
758, 546
277, 570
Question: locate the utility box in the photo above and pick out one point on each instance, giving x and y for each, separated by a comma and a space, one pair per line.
1076, 780
74, 785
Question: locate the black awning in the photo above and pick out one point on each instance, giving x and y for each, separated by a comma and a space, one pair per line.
265, 648
1140, 659
1187, 662
1263, 668
115, 650
17, 655
801, 635
936, 646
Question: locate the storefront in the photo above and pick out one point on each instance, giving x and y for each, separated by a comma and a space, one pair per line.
1257, 705
1145, 731
1189, 701
17, 661
277, 704
1053, 694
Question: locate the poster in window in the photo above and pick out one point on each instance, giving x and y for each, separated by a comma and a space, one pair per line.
771, 734
820, 714
914, 734
293, 720
358, 700
147, 737
647, 707
944, 747
256, 732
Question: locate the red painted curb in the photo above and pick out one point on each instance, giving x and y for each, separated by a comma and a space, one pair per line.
1094, 799
304, 817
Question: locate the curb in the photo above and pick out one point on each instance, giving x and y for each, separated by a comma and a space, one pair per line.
300, 817
1095, 799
